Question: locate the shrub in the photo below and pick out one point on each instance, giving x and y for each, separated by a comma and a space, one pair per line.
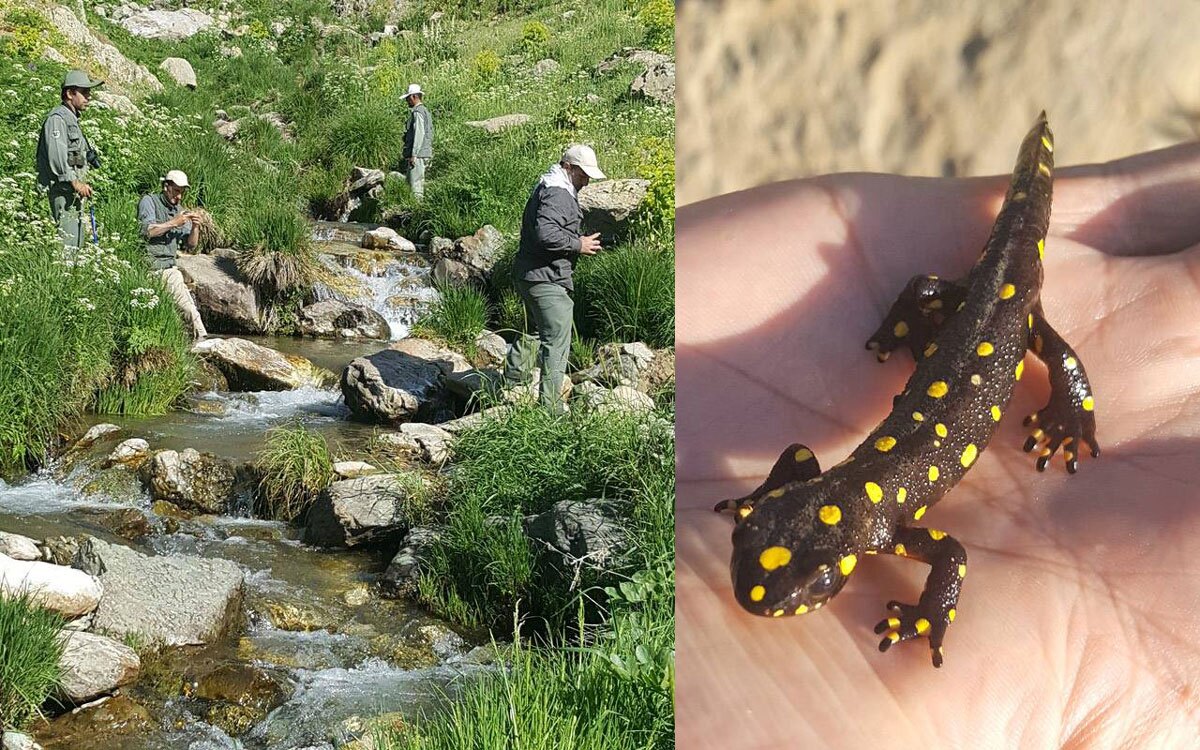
369, 134
273, 242
658, 16
627, 294
27, 33
295, 466
457, 317
656, 163
535, 36
486, 66
29, 653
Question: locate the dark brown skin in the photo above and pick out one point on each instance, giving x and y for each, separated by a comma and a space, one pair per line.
801, 534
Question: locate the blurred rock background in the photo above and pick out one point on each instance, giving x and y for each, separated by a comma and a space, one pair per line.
777, 89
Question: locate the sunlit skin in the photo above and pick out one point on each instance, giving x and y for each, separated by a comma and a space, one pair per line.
1074, 626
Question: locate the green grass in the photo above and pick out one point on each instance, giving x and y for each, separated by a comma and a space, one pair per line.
29, 653
457, 317
628, 294
295, 465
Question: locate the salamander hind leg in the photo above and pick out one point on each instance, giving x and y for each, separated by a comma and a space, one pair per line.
796, 464
1069, 419
916, 316
935, 610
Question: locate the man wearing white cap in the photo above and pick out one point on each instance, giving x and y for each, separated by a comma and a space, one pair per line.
550, 244
418, 140
166, 227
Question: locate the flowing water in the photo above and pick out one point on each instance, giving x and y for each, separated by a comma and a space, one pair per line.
324, 652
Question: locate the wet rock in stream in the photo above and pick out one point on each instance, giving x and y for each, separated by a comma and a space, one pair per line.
353, 512
190, 479
94, 665
99, 726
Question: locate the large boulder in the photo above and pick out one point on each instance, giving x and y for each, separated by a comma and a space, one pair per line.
620, 364
118, 103
251, 367
63, 590
578, 531
170, 601
336, 319
19, 547
226, 300
643, 57
180, 70
386, 238
392, 387
473, 256
656, 82
499, 124
190, 479
354, 512
609, 205
167, 25
120, 71
400, 577
94, 665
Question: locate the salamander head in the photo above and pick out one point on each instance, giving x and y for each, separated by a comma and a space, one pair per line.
791, 554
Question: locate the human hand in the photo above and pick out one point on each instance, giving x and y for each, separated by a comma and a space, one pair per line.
589, 244
1076, 625
82, 189
412, 161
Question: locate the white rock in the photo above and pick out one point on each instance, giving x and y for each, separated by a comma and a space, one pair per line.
180, 70
353, 469
67, 591
18, 741
386, 238
130, 451
19, 547
93, 665
95, 433
169, 25
499, 124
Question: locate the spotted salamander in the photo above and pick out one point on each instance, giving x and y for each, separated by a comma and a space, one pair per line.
800, 535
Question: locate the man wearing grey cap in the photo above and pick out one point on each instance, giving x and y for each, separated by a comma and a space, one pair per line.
418, 140
166, 227
63, 156
550, 244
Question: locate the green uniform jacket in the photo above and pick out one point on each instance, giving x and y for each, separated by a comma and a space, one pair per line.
62, 148
154, 209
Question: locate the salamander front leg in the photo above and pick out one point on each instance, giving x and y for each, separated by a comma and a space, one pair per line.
796, 464
916, 316
935, 610
1069, 419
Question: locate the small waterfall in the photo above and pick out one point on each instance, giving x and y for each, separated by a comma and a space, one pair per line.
395, 286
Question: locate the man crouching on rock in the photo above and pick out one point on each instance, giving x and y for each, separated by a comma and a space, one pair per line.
166, 226
551, 241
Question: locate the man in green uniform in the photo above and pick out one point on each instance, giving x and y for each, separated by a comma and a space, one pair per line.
550, 244
63, 155
418, 140
166, 227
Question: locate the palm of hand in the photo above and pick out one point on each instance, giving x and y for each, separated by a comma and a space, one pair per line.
1074, 623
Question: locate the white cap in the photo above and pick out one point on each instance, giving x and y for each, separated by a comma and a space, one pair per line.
414, 88
585, 158
176, 176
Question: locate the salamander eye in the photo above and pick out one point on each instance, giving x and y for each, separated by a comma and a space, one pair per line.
822, 583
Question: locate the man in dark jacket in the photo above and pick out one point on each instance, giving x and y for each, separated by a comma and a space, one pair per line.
418, 140
550, 243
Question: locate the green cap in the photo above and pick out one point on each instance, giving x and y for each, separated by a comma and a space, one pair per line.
80, 80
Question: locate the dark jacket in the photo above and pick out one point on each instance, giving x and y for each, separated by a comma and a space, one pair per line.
62, 148
549, 237
154, 209
419, 120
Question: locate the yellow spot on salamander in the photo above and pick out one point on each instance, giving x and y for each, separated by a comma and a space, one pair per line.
885, 444
847, 563
874, 491
777, 613
1049, 146
757, 593
1043, 168
952, 614
893, 637
1007, 291
893, 622
804, 608
1089, 403
900, 550
1070, 363
774, 557
933, 473
996, 414
901, 495
922, 626
937, 534
1041, 249
968, 455
941, 430
938, 388
775, 493
918, 416
1030, 321
744, 511
985, 349
900, 330
920, 512
830, 514
962, 570
976, 379
929, 350
803, 454
1020, 368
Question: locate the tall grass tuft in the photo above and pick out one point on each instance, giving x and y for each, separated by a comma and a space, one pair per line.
295, 466
457, 317
273, 242
369, 133
29, 653
628, 294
